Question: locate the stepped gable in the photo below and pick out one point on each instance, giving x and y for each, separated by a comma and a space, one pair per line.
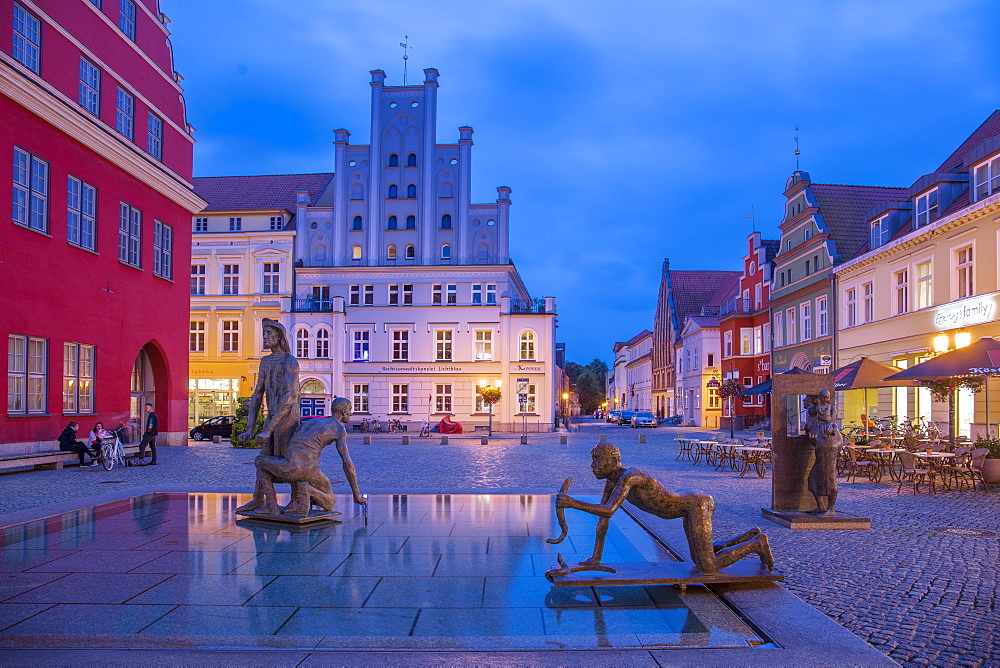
249, 193
844, 210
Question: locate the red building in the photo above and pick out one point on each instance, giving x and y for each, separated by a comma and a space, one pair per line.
745, 328
94, 258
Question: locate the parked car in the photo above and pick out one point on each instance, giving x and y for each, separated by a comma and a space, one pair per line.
643, 419
217, 426
625, 417
612, 416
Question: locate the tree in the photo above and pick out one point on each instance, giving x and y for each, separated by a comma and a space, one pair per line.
588, 383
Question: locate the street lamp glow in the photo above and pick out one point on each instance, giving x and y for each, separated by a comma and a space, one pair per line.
565, 396
941, 343
962, 339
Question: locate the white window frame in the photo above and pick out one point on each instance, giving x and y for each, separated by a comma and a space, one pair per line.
805, 317
163, 250
81, 213
27, 44
322, 343
235, 223
277, 222
746, 340
443, 345
758, 340
393, 293
727, 343
822, 317
437, 293
302, 343
527, 407
126, 18
879, 232
361, 396
401, 398
526, 345
791, 330
154, 136
868, 302
78, 378
231, 279
129, 235
31, 191
850, 307
400, 348
779, 330
986, 178
125, 114
27, 375
926, 207
198, 274
360, 345
491, 293
477, 294
354, 295
407, 291
925, 284
451, 293
90, 87
230, 332
964, 270
196, 336
270, 278
484, 344
368, 295
442, 397
901, 291
201, 224
766, 329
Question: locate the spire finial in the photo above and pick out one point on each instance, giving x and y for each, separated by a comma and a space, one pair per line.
406, 47
797, 151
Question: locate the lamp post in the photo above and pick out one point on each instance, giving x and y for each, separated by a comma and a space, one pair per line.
565, 398
490, 395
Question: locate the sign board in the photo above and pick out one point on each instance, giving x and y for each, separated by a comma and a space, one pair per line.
825, 360
522, 385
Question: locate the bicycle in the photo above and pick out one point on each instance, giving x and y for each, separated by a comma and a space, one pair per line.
365, 426
425, 430
395, 425
112, 451
377, 428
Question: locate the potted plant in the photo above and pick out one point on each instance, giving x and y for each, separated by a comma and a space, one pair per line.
991, 467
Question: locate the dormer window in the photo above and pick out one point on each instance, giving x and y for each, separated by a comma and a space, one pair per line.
987, 178
393, 191
393, 160
927, 208
411, 160
880, 232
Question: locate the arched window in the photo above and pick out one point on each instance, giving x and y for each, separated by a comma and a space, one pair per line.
446, 221
356, 252
411, 223
446, 252
357, 223
411, 160
393, 191
527, 345
391, 252
393, 160
393, 225
312, 386
411, 252
323, 343
302, 344
411, 191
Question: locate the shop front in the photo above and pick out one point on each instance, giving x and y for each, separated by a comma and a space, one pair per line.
214, 389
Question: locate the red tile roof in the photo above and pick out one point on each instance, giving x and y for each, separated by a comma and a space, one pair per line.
690, 290
844, 210
251, 193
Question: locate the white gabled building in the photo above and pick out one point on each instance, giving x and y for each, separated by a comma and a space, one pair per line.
403, 295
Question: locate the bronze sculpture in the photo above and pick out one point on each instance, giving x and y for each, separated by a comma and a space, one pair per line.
826, 439
646, 493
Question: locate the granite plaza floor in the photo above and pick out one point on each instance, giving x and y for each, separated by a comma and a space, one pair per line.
918, 591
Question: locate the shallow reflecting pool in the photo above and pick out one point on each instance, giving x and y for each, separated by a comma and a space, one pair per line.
415, 571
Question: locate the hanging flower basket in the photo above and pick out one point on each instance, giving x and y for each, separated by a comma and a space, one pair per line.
730, 388
942, 389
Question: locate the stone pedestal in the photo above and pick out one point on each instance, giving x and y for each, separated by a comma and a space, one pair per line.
798, 519
313, 516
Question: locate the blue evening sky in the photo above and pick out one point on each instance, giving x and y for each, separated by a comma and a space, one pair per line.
629, 131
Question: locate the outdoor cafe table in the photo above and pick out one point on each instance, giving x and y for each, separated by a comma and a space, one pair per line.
703, 448
753, 456
884, 458
935, 460
684, 451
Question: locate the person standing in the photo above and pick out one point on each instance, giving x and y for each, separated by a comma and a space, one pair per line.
149, 435
68, 443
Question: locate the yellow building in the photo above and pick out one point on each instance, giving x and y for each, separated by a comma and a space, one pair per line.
927, 281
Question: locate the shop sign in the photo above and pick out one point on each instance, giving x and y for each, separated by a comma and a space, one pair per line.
973, 311
529, 368
430, 368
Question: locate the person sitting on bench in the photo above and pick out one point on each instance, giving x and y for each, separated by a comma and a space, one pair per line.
68, 443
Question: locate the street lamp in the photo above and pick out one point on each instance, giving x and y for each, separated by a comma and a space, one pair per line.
490, 395
565, 399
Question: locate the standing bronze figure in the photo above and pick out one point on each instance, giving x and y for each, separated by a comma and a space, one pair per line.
826, 440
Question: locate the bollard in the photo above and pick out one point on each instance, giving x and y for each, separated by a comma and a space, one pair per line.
484, 440
563, 440
444, 440
216, 439
524, 440
642, 438
368, 440
406, 440
604, 438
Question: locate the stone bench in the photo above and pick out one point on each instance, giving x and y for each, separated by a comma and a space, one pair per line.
52, 459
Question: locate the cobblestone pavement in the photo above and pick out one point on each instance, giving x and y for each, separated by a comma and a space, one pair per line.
921, 596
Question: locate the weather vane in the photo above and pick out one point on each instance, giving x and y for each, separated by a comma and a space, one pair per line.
797, 151
406, 47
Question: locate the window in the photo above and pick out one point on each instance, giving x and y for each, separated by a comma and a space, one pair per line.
822, 324
927, 208
196, 341
357, 224
356, 252
779, 330
393, 160
411, 160
880, 232
27, 361
360, 398
81, 213
321, 299
851, 307
197, 279
323, 343
393, 294
446, 221
407, 293
446, 252
369, 295
393, 191
393, 223
129, 234
527, 350
442, 398
807, 268
355, 297
154, 136
126, 18
125, 113
90, 87
526, 402
411, 252
987, 179
78, 378
924, 285
477, 293
758, 296
442, 349
452, 295
713, 397
901, 286
390, 252
868, 301
27, 39
230, 336
791, 331
491, 293
360, 345
272, 276
411, 222
727, 344
31, 191
711, 360
277, 222
400, 398
746, 340
201, 224
484, 344
805, 313
758, 343
301, 344
766, 329
400, 345
163, 248
235, 224
436, 292
230, 279
964, 272
411, 191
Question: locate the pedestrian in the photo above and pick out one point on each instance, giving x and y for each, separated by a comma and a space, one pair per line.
68, 443
149, 435
97, 437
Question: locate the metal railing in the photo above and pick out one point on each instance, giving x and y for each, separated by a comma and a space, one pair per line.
527, 306
312, 305
736, 305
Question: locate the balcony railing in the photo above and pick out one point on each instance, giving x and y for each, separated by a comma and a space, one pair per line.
312, 305
527, 306
736, 305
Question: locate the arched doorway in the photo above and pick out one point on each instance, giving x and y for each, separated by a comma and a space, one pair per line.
143, 391
801, 361
312, 398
